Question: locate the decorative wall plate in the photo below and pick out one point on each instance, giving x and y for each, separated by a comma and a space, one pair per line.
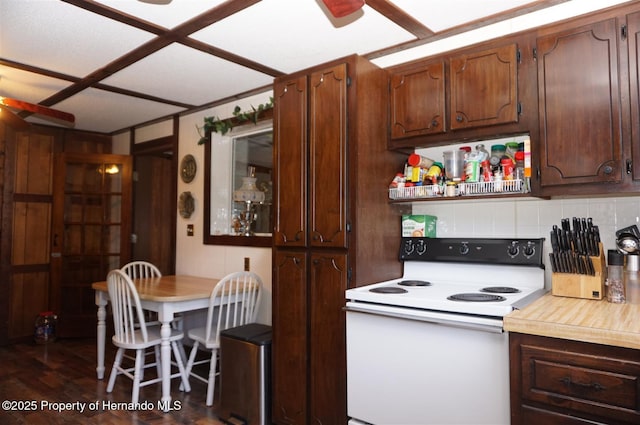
188, 168
186, 205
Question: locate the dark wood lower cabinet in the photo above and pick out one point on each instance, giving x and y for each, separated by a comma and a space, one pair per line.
556, 381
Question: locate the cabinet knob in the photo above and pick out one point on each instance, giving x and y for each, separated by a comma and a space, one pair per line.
434, 123
459, 118
608, 169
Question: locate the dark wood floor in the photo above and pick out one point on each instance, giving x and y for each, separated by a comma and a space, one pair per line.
64, 372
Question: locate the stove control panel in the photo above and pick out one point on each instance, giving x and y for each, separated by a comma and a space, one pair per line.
524, 252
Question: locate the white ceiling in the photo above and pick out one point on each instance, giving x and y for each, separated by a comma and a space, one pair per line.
115, 64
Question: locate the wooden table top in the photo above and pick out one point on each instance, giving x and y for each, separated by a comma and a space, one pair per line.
169, 288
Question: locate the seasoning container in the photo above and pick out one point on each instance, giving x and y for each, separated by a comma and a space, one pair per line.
615, 277
519, 169
450, 189
416, 160
45, 327
434, 172
510, 149
506, 164
497, 152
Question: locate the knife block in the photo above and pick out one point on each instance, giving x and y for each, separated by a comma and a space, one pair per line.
581, 285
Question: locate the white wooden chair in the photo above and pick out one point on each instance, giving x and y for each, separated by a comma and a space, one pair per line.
132, 333
233, 302
143, 269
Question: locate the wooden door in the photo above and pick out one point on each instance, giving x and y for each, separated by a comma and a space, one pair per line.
154, 212
417, 100
484, 88
328, 157
290, 162
327, 348
26, 228
91, 227
289, 350
579, 103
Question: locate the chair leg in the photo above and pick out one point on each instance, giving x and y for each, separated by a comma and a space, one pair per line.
114, 369
184, 386
192, 357
136, 375
212, 377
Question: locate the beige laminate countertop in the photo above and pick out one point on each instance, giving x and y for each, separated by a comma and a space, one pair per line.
596, 321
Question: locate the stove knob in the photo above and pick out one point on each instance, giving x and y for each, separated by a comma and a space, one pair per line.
530, 249
513, 249
422, 247
408, 248
464, 249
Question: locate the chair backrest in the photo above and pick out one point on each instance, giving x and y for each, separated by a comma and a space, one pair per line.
234, 302
128, 315
141, 269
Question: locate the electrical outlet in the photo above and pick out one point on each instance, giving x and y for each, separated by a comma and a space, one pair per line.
189, 229
247, 264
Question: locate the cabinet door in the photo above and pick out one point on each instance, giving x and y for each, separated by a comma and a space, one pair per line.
579, 105
417, 101
633, 22
328, 157
484, 88
289, 346
328, 364
290, 162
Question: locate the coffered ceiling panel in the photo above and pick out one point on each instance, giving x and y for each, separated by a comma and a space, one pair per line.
118, 64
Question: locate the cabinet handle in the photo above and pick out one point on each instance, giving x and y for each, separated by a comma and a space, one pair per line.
592, 385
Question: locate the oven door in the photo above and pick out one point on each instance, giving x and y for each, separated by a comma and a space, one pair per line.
407, 369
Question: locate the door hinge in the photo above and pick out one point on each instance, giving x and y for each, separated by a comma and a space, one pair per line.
519, 108
518, 56
134, 176
629, 166
535, 54
348, 227
624, 32
348, 81
134, 238
349, 273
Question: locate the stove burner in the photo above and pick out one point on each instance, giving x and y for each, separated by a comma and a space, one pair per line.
500, 290
473, 297
388, 290
414, 283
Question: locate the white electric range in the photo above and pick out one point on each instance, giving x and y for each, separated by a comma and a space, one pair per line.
430, 347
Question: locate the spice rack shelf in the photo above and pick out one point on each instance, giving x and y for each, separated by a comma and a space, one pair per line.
477, 189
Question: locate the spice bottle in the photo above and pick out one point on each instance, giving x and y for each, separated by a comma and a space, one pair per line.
615, 277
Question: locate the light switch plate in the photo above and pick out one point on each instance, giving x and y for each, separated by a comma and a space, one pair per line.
189, 229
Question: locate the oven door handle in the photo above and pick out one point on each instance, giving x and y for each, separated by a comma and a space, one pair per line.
464, 321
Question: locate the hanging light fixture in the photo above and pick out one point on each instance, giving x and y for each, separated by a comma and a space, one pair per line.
251, 196
341, 8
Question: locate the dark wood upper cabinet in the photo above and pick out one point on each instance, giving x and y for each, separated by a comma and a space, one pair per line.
417, 102
580, 105
462, 95
633, 35
484, 88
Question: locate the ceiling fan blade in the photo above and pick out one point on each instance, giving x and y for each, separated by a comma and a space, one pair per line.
37, 109
341, 8
12, 119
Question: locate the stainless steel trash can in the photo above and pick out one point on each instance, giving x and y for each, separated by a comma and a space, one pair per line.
245, 374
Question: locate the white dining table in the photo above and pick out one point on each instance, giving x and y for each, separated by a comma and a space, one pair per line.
165, 295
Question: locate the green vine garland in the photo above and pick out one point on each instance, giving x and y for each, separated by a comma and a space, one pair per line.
217, 125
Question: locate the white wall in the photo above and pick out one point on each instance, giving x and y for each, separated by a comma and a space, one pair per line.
193, 257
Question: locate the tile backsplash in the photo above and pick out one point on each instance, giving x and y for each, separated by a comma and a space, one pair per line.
529, 217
